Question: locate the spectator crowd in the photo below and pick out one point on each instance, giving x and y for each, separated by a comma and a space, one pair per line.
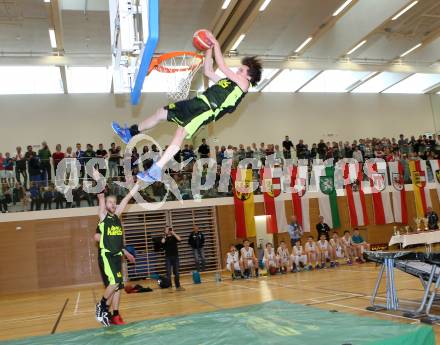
27, 177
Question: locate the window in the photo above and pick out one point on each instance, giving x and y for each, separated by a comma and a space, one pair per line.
89, 79
334, 81
30, 80
417, 83
290, 80
380, 82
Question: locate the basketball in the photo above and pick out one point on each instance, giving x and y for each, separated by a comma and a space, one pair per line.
201, 41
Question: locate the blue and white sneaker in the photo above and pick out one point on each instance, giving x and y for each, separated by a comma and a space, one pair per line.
123, 133
154, 174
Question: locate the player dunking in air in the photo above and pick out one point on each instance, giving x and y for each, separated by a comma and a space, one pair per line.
218, 100
111, 250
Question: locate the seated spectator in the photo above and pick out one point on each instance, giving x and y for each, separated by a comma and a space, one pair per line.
359, 244
3, 198
47, 197
35, 195
298, 258
269, 259
248, 259
337, 248
349, 249
233, 263
283, 257
325, 252
312, 253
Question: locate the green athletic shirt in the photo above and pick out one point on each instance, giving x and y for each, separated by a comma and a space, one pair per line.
223, 97
112, 239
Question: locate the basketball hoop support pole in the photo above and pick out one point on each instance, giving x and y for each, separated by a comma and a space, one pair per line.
149, 48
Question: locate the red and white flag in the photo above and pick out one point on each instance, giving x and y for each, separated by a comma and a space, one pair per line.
273, 202
355, 194
398, 193
383, 212
435, 167
300, 201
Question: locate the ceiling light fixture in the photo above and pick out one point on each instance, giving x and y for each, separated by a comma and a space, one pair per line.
264, 5
410, 50
303, 44
343, 6
357, 47
53, 40
226, 4
238, 41
407, 8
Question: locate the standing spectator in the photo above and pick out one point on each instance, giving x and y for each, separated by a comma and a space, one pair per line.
57, 157
2, 168
241, 152
300, 148
20, 166
102, 153
249, 152
322, 149
187, 153
8, 164
313, 152
357, 154
287, 147
34, 169
79, 155
204, 149
170, 241
44, 155
322, 228
432, 219
262, 153
197, 241
113, 161
295, 231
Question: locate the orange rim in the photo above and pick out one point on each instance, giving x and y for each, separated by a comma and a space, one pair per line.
157, 61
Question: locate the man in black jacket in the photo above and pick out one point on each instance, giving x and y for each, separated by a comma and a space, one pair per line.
322, 228
170, 240
197, 240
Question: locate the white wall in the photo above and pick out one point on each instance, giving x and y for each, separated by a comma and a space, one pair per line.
267, 117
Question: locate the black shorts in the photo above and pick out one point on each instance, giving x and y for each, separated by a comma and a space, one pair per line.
110, 267
190, 114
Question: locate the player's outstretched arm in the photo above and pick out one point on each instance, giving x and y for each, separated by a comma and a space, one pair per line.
126, 199
242, 82
208, 68
102, 212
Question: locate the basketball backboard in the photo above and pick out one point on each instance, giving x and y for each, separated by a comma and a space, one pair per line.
134, 28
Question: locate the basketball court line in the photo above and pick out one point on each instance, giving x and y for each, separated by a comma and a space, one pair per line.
77, 303
55, 326
316, 301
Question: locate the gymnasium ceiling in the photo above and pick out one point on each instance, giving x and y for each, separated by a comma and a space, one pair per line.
275, 34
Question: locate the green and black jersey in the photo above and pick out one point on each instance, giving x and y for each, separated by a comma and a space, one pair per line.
112, 240
218, 100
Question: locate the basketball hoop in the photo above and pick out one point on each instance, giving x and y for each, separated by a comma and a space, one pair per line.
179, 69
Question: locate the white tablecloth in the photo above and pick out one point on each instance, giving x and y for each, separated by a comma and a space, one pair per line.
424, 237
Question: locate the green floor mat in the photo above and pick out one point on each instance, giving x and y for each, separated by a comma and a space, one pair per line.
276, 322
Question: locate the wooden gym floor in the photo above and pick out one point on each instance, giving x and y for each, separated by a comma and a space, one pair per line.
346, 289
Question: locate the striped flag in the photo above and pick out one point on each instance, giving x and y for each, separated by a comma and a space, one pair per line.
422, 197
398, 193
383, 212
327, 198
244, 203
274, 204
435, 167
357, 207
300, 201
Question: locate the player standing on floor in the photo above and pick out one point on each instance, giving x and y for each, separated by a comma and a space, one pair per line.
111, 250
218, 100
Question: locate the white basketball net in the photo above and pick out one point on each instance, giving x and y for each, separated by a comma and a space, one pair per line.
179, 72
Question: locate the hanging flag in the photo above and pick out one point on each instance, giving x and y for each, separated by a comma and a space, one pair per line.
300, 201
274, 205
244, 203
327, 198
422, 197
398, 193
383, 212
435, 167
357, 208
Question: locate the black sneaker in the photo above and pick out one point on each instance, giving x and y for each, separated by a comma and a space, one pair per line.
102, 315
105, 321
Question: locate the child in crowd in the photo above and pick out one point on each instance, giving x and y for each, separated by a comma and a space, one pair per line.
337, 248
325, 252
298, 257
269, 259
312, 253
248, 259
359, 245
283, 257
233, 264
347, 244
